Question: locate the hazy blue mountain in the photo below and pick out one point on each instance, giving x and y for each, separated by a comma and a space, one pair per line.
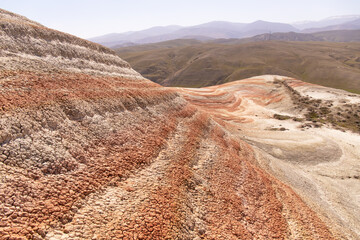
352, 25
328, 36
260, 27
337, 20
114, 39
230, 30
207, 31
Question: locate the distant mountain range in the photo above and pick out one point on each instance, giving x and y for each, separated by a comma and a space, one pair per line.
331, 21
328, 36
352, 25
225, 30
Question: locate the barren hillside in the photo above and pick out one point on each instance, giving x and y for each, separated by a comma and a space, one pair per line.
89, 149
303, 134
331, 64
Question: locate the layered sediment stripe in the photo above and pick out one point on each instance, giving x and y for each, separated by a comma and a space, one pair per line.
91, 150
206, 186
229, 101
44, 186
26, 45
29, 89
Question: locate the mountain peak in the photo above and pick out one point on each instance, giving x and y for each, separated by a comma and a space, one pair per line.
260, 21
343, 17
214, 29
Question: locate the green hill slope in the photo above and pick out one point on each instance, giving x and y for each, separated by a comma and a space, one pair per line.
197, 65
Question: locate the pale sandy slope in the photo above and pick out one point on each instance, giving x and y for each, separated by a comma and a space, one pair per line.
321, 164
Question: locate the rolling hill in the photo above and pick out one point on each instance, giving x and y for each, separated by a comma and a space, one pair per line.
327, 36
327, 63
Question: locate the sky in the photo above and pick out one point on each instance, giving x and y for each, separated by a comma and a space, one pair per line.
90, 18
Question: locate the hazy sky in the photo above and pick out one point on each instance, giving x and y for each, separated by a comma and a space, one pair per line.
88, 18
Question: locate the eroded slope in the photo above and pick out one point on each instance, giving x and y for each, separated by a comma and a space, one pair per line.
291, 126
91, 150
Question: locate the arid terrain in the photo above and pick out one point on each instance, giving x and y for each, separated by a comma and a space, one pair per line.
189, 63
90, 149
272, 114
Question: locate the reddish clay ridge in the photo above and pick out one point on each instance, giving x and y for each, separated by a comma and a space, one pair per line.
89, 149
302, 134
